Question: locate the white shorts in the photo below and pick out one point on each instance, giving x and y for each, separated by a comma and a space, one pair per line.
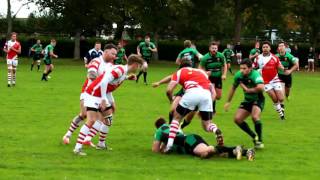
12, 62
94, 102
310, 60
273, 85
82, 96
197, 97
239, 54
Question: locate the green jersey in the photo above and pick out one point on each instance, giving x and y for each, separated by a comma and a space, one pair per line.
190, 54
252, 80
49, 48
37, 48
145, 51
121, 53
228, 54
254, 51
287, 60
162, 134
213, 63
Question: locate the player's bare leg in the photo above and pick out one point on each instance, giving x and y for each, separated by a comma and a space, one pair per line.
239, 119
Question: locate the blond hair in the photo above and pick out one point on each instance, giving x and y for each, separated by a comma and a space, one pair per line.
134, 58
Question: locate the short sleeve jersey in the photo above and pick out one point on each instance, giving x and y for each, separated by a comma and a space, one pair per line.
252, 80
191, 78
37, 48
254, 51
120, 56
11, 53
213, 63
268, 66
190, 54
287, 60
49, 48
162, 134
144, 49
228, 53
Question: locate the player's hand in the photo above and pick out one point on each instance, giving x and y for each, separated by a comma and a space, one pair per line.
155, 84
223, 77
244, 87
287, 72
226, 106
132, 77
56, 56
103, 105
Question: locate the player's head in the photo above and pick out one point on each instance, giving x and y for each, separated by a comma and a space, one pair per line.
38, 41
229, 46
135, 62
282, 46
13, 36
311, 49
266, 47
159, 122
110, 52
185, 62
238, 43
245, 66
257, 45
213, 47
187, 43
53, 42
120, 44
147, 39
97, 45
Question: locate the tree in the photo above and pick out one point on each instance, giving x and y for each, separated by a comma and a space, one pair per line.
11, 17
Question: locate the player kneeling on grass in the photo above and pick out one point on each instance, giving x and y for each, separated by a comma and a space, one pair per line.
96, 98
194, 144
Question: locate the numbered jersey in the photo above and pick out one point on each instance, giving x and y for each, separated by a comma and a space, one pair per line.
191, 78
268, 67
11, 53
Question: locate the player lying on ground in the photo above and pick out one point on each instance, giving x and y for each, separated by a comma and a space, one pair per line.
194, 144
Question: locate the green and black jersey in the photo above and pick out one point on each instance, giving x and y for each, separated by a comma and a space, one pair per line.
214, 63
190, 54
287, 60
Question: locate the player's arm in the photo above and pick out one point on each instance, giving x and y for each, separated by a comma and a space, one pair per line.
156, 146
103, 89
5, 48
257, 89
170, 89
280, 66
52, 54
16, 50
32, 48
165, 80
294, 67
153, 48
138, 50
225, 68
202, 65
230, 96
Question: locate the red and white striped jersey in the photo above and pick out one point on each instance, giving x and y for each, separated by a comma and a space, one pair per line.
11, 53
191, 78
268, 67
108, 81
99, 66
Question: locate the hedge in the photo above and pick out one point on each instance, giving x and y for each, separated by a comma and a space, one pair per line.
168, 49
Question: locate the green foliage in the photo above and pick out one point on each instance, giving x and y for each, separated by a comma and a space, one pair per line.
35, 115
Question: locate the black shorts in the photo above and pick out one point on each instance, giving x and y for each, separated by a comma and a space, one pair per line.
147, 59
192, 141
248, 105
286, 79
217, 81
37, 57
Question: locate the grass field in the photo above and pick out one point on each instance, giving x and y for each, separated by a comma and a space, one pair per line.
35, 115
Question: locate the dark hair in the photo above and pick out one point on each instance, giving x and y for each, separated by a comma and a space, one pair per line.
97, 42
247, 62
266, 42
187, 43
159, 122
185, 62
110, 46
214, 43
282, 42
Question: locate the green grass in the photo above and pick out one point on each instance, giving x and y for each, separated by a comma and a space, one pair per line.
35, 115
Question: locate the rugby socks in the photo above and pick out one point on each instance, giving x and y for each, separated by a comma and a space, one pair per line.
185, 123
74, 125
104, 130
93, 131
230, 70
44, 77
214, 106
31, 66
48, 72
82, 134
170, 116
258, 129
174, 127
38, 67
278, 108
14, 78
212, 128
139, 76
145, 77
245, 127
9, 78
